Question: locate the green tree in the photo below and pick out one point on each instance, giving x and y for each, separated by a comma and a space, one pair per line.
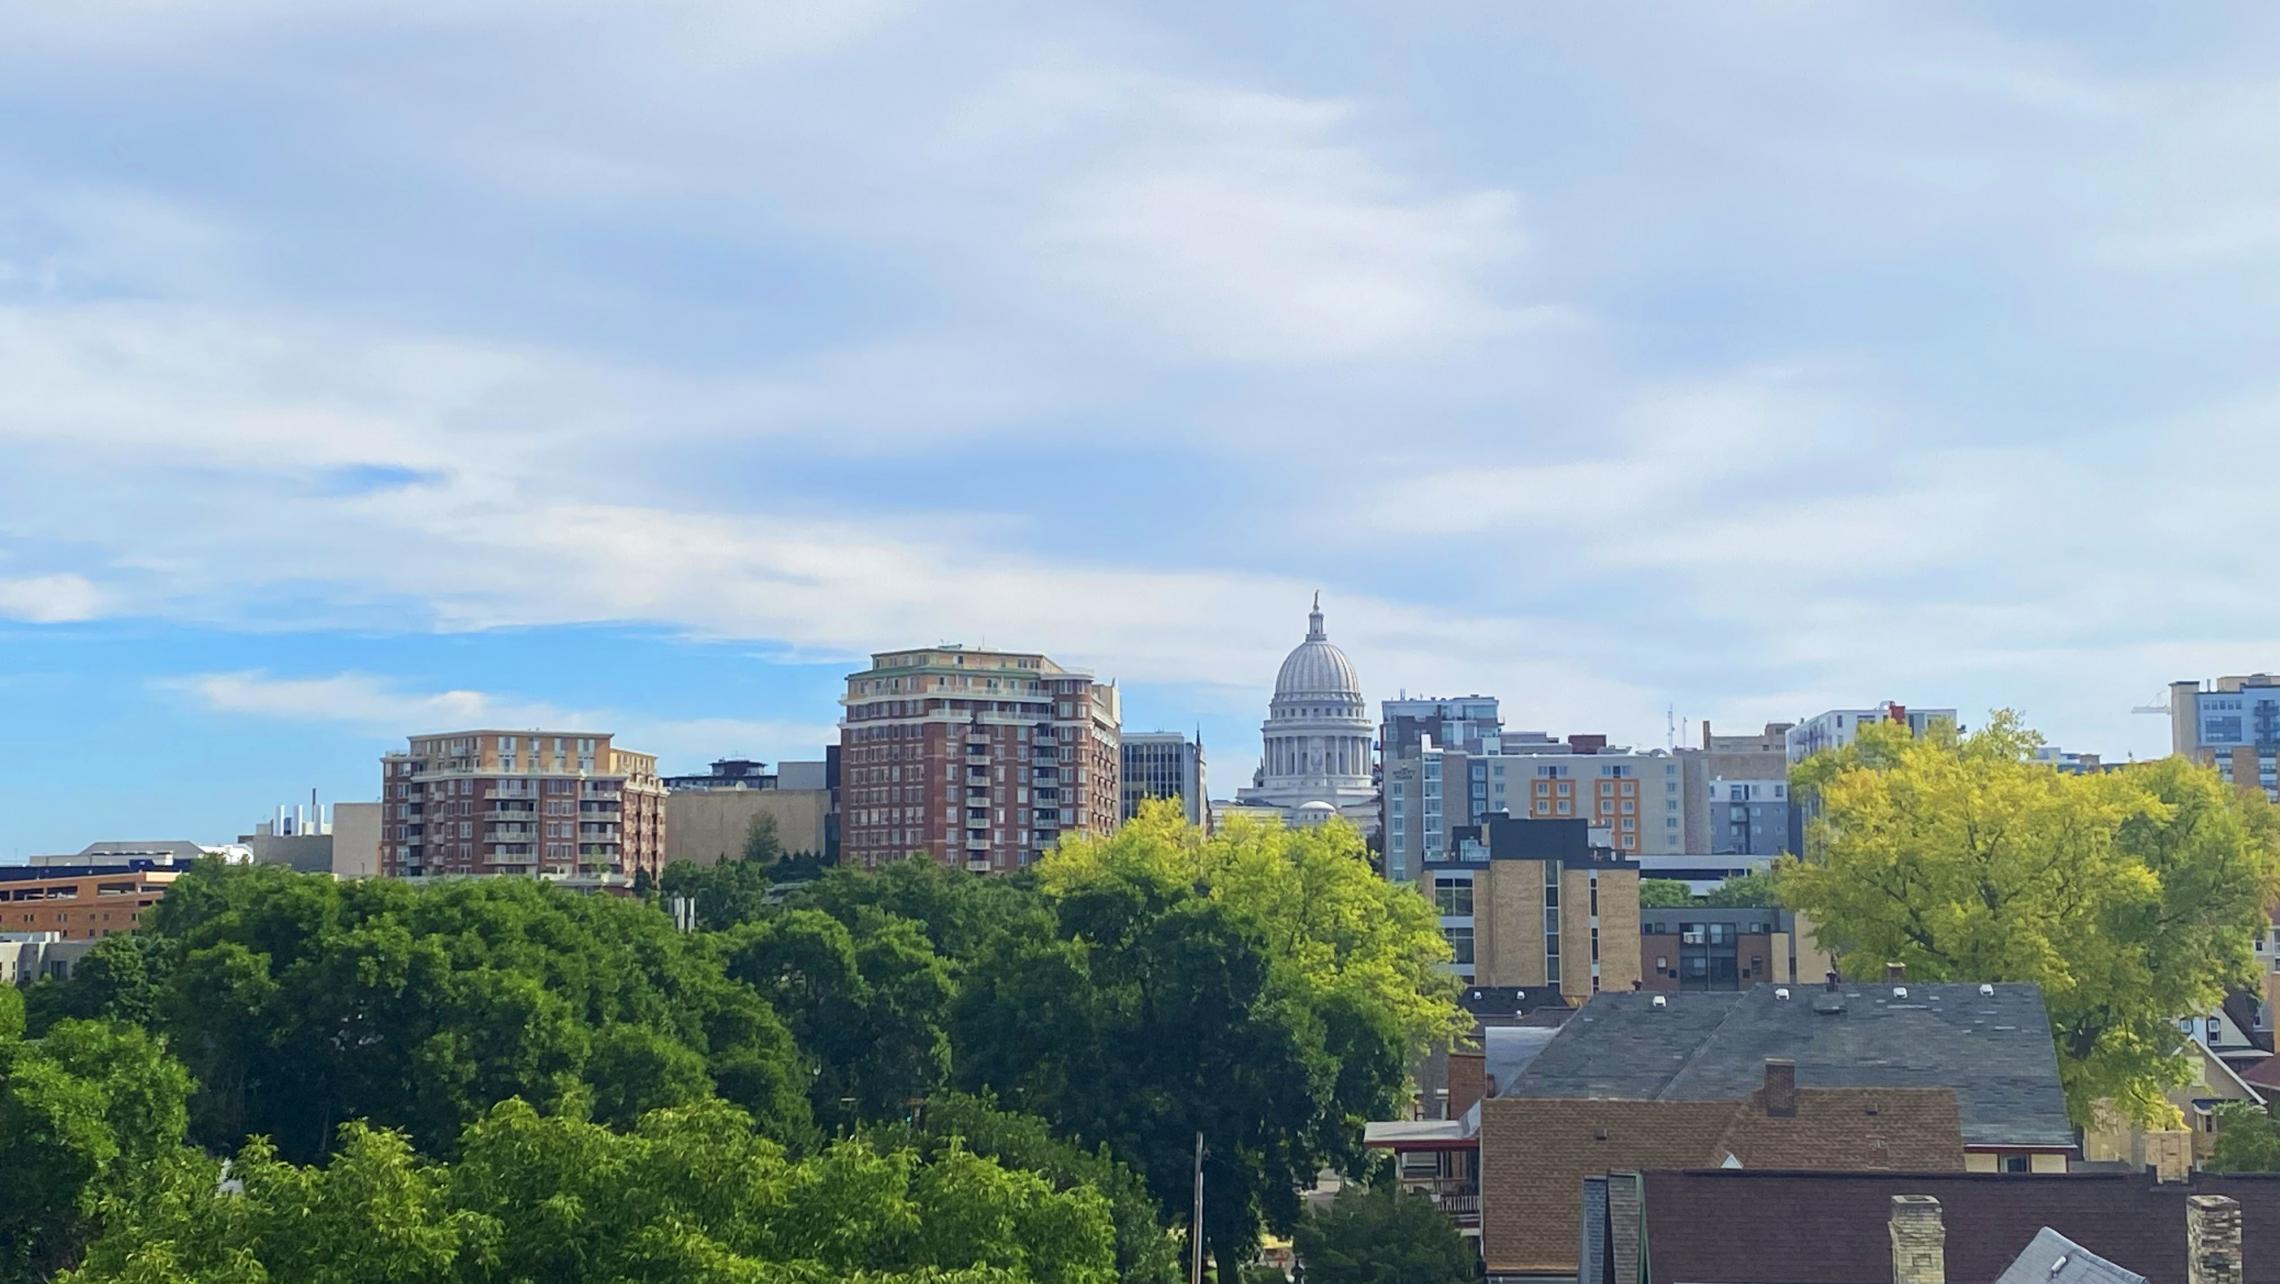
961, 913
121, 979
1144, 1253
89, 1113
300, 1003
2248, 1140
2129, 897
870, 1010
762, 846
1664, 893
689, 1194
1259, 985
1383, 1236
1745, 891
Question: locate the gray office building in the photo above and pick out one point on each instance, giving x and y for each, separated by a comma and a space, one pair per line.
1164, 764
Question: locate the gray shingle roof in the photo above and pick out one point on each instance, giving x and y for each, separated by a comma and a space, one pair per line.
2052, 1258
1994, 1050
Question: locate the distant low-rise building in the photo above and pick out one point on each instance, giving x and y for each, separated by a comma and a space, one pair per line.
1701, 948
709, 817
84, 901
26, 957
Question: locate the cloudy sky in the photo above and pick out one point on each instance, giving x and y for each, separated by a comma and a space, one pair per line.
369, 368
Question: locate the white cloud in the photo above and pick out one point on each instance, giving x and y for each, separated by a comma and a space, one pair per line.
50, 599
382, 707
1247, 226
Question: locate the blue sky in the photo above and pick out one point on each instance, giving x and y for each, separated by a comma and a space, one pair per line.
375, 368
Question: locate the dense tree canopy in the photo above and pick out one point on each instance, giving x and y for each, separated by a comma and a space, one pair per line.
87, 1113
300, 1003
689, 1194
1382, 1235
2131, 897
501, 1080
1259, 985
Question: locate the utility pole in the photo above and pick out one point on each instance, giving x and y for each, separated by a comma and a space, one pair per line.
1195, 1225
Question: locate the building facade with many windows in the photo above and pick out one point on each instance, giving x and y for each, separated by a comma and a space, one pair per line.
1432, 792
1534, 904
975, 759
1164, 764
2232, 724
567, 805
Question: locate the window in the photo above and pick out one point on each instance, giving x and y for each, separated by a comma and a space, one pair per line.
2018, 1164
1454, 896
2214, 1028
1461, 943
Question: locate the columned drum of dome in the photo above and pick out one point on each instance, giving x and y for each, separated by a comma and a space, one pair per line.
1316, 745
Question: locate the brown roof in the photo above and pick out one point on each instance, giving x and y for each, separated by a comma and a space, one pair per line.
1763, 1227
1879, 1129
2264, 1074
1536, 1151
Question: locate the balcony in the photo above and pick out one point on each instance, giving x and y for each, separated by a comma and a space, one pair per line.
510, 833
1458, 1198
511, 813
977, 843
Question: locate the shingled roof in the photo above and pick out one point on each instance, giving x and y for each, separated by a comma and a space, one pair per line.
1994, 1049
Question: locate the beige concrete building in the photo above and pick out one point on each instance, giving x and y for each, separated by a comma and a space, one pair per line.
978, 759
549, 804
708, 826
356, 840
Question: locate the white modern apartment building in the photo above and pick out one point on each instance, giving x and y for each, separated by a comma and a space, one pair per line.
1838, 728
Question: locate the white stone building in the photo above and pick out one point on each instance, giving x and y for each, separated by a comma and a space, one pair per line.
1317, 753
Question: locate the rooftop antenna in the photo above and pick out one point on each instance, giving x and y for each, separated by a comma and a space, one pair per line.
1670, 727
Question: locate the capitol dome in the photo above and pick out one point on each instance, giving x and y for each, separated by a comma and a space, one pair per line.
1316, 745
1317, 667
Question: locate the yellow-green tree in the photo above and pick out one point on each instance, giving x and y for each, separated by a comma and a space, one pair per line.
1330, 923
2133, 898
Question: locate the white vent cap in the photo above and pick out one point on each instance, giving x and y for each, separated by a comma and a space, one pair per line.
1986, 991
1899, 991
1781, 992
1661, 1002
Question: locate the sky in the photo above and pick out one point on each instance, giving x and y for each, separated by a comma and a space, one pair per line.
378, 368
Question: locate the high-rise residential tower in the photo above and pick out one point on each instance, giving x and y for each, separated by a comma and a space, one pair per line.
978, 759
554, 804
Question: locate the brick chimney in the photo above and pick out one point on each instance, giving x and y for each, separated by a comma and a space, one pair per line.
1895, 972
1919, 1241
2212, 1240
1780, 1088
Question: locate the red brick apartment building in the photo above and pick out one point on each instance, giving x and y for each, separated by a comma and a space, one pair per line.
976, 759
560, 805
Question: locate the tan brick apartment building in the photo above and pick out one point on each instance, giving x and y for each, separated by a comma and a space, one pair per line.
539, 803
977, 759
